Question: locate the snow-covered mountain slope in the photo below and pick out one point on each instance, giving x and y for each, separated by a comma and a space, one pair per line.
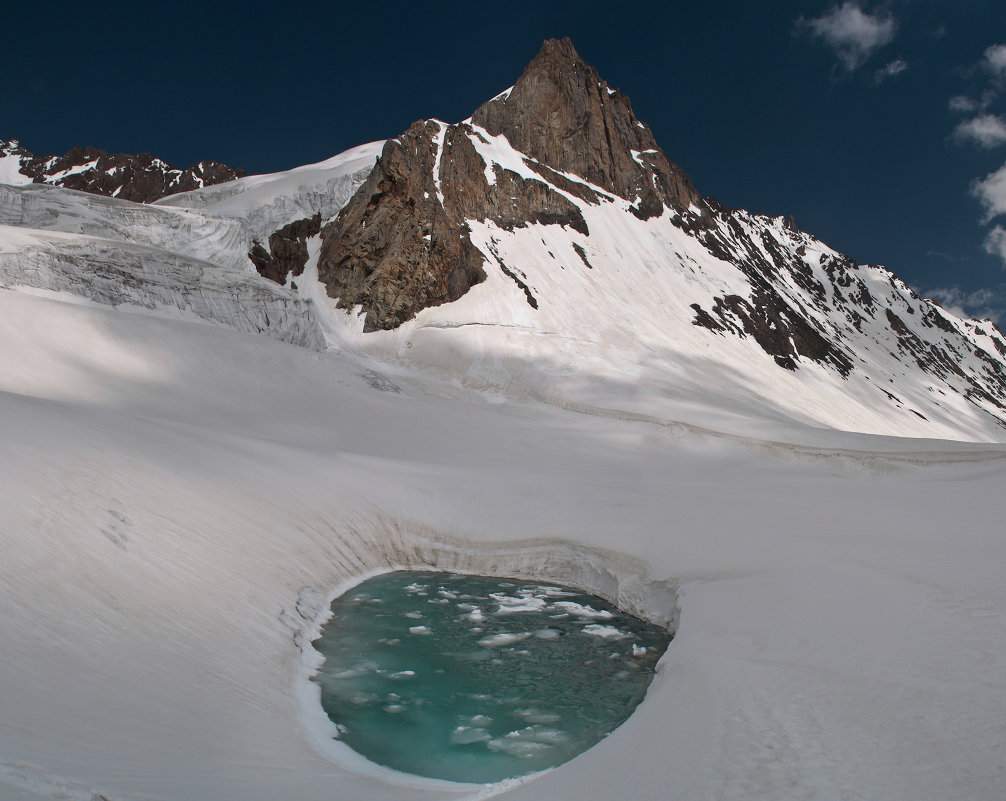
141, 178
190, 257
266, 203
515, 272
177, 501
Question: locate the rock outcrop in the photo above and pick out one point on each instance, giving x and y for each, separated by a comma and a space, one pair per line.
562, 114
397, 248
141, 178
287, 253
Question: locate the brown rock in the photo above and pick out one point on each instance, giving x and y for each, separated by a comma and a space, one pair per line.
287, 253
563, 115
141, 178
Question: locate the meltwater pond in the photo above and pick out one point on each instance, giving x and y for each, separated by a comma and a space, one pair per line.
477, 679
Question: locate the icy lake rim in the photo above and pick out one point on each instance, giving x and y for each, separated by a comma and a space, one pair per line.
619, 579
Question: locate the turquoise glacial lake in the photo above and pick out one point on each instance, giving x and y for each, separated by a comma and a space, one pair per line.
478, 679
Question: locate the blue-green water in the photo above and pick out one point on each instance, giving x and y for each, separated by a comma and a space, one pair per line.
476, 679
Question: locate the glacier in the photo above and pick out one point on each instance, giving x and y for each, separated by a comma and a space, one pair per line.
196, 460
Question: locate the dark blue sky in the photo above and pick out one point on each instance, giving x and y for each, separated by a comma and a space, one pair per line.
837, 113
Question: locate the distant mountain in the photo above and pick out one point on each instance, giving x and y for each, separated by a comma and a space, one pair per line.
141, 178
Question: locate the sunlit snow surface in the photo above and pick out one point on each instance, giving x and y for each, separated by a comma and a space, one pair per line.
178, 501
478, 679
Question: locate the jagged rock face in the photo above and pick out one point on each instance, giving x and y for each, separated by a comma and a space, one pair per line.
287, 253
141, 178
395, 248
562, 114
402, 243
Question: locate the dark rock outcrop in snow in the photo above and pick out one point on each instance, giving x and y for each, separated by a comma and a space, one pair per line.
141, 178
395, 249
287, 253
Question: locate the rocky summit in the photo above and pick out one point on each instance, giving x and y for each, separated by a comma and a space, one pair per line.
401, 244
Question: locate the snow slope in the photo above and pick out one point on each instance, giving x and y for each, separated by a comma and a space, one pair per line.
169, 492
268, 202
178, 501
621, 312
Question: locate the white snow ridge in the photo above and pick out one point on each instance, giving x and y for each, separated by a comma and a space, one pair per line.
196, 460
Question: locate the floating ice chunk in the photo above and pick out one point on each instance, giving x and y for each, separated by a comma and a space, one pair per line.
583, 610
415, 588
597, 630
639, 650
467, 607
402, 674
546, 634
533, 715
414, 615
419, 630
522, 603
394, 709
497, 640
476, 616
447, 593
362, 669
465, 735
528, 742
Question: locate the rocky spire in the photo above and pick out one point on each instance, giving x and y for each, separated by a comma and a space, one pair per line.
402, 242
561, 113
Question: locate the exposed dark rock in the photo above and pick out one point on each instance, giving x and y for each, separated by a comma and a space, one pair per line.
141, 178
583, 255
394, 249
287, 253
781, 331
562, 114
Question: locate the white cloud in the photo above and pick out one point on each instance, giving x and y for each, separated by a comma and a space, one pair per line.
991, 191
987, 130
896, 67
994, 61
978, 304
853, 34
963, 104
995, 243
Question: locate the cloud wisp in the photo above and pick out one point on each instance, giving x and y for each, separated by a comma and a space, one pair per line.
994, 62
853, 34
991, 192
985, 131
970, 105
979, 304
890, 70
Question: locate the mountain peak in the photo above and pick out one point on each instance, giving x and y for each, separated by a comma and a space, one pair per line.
563, 114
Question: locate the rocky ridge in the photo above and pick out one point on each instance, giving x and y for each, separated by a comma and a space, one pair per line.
142, 178
561, 144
